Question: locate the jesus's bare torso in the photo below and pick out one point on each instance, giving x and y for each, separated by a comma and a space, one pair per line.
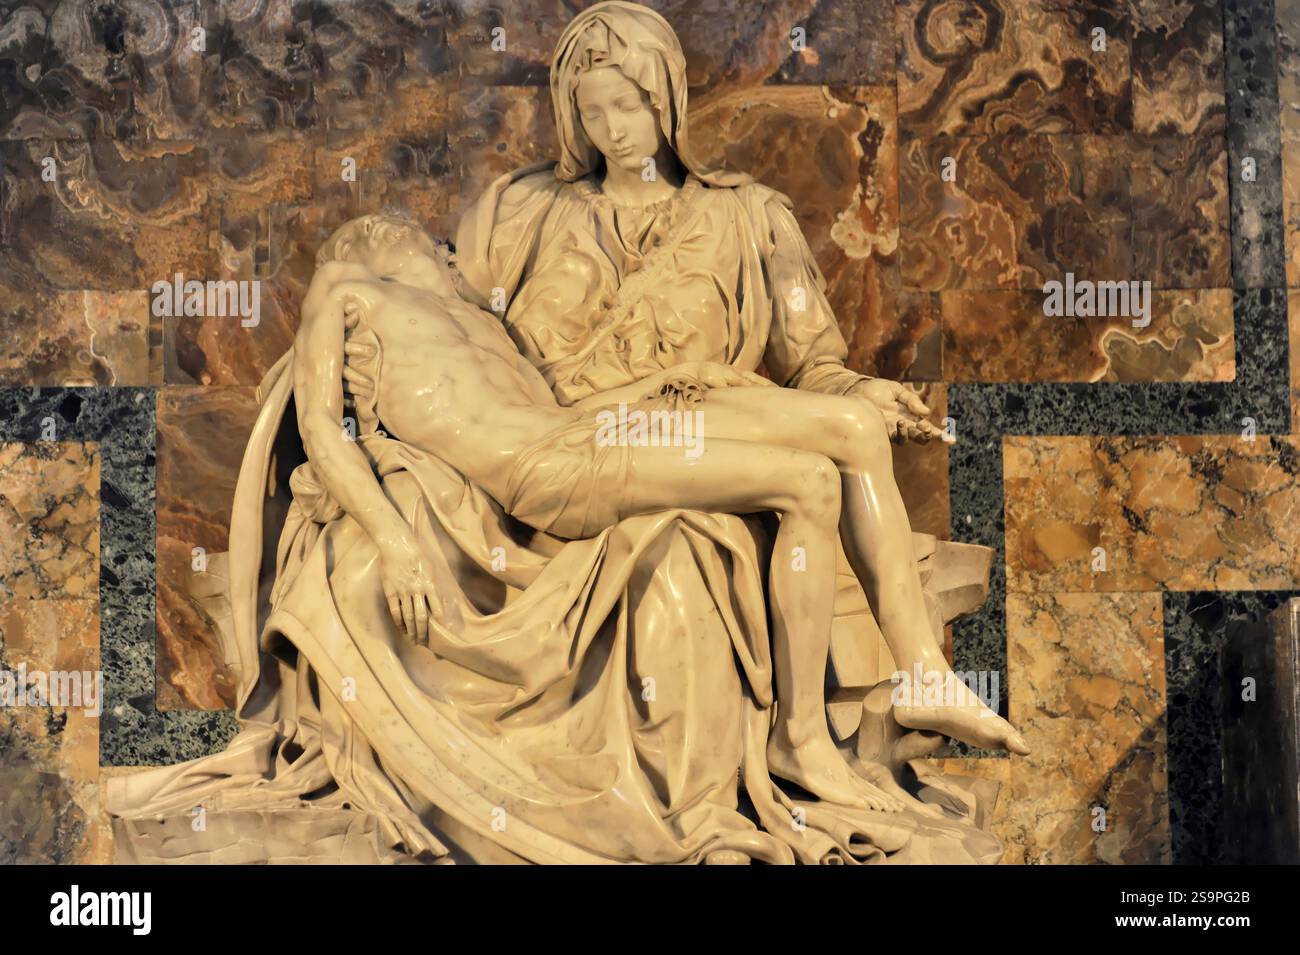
451, 382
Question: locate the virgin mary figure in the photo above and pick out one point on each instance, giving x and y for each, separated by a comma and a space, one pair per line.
611, 700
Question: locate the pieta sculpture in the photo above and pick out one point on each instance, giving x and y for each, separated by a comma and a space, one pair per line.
528, 564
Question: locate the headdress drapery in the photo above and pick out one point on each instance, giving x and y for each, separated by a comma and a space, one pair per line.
641, 44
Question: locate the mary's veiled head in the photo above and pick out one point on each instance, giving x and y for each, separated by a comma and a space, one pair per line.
639, 45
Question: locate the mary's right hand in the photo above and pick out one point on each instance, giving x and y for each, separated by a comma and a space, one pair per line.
358, 357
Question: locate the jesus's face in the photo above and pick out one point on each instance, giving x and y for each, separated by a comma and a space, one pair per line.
617, 116
386, 244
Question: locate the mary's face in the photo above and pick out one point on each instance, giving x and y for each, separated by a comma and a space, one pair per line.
618, 118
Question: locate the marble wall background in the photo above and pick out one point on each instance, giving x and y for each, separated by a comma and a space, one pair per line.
1111, 160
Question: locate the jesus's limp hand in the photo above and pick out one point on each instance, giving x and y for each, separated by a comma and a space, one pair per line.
413, 577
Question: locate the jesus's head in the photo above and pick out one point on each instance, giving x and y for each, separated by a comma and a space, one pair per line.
393, 248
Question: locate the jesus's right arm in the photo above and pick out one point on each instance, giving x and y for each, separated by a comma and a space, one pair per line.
408, 570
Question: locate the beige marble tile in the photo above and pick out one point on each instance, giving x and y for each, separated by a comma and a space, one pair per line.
49, 520
1087, 686
50, 634
49, 641
1180, 513
50, 809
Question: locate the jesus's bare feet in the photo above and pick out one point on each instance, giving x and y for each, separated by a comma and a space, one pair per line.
816, 765
949, 707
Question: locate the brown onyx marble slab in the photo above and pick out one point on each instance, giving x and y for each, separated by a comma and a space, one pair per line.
116, 216
919, 318
170, 79
1024, 210
131, 71
263, 70
260, 184
219, 350
280, 197
121, 71
1021, 210
845, 41
1181, 223
52, 338
492, 130
845, 201
1004, 336
848, 42
1178, 70
1087, 689
49, 520
1175, 513
201, 437
254, 176
999, 66
402, 160
68, 81
362, 50
921, 472
525, 38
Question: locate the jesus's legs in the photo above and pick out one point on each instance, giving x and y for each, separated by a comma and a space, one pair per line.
740, 477
875, 531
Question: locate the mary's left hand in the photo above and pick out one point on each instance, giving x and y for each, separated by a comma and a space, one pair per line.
904, 411
713, 374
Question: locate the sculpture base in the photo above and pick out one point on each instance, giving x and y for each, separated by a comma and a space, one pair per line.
309, 836
304, 836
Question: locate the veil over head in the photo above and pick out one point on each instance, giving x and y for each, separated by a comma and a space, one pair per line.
640, 43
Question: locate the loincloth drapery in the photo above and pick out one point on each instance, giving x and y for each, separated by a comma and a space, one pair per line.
572, 485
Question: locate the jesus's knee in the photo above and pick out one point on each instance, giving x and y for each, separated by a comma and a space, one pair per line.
866, 438
815, 488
